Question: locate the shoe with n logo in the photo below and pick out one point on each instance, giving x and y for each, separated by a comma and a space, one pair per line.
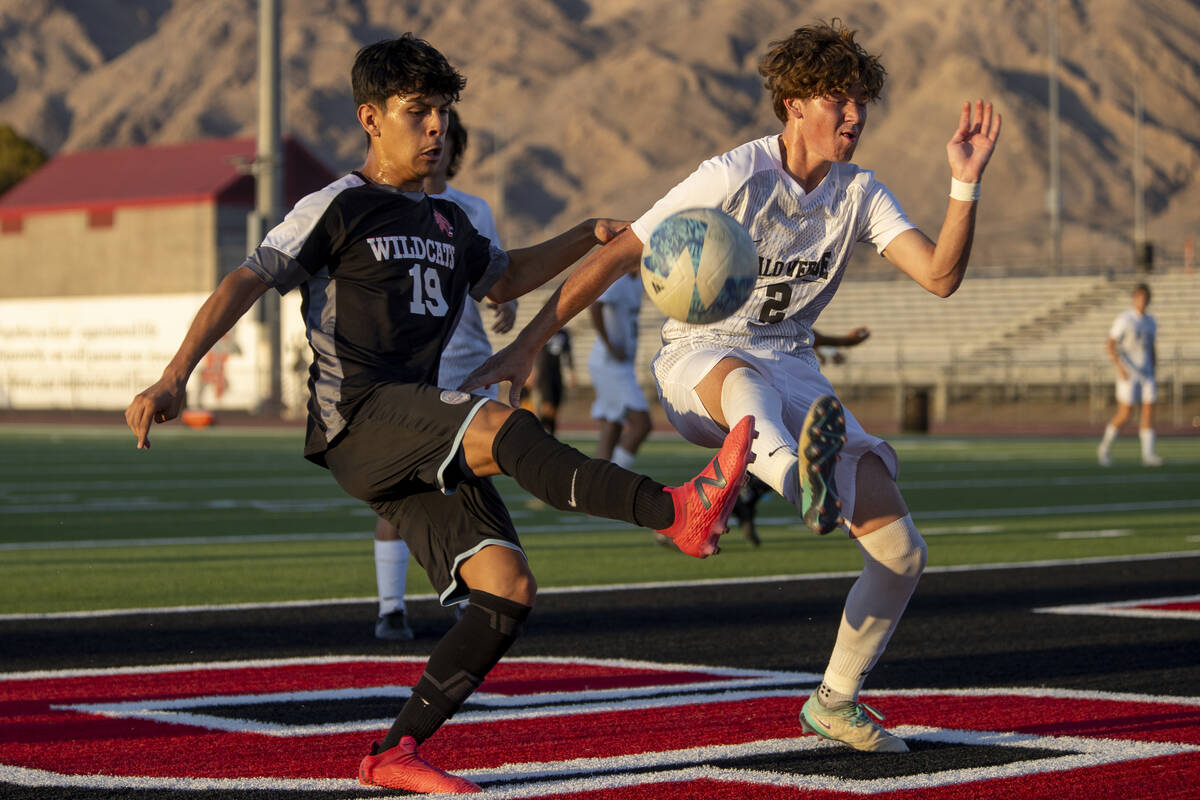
703, 504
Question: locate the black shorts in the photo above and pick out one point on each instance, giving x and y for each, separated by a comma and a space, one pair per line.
550, 387
401, 454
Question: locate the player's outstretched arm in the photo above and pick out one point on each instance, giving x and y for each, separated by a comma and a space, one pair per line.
530, 267
224, 307
851, 339
578, 291
940, 267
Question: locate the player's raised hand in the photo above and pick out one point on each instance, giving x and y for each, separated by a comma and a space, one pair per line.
971, 146
158, 403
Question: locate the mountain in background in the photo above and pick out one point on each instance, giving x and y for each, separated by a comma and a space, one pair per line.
581, 108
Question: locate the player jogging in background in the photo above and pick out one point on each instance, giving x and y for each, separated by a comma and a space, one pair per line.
620, 405
553, 374
806, 206
468, 348
1131, 346
385, 270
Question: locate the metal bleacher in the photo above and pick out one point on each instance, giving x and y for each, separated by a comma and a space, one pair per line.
992, 330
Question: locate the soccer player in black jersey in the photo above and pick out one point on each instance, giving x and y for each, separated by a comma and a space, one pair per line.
384, 271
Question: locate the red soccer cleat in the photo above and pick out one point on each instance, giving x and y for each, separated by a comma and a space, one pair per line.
401, 768
703, 504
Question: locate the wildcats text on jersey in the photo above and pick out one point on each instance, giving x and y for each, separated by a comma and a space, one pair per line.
796, 268
388, 247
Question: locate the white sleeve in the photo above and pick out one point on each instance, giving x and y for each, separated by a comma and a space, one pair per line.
485, 223
1118, 327
708, 187
885, 219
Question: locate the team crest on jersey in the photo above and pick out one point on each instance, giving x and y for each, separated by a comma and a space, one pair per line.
453, 397
443, 224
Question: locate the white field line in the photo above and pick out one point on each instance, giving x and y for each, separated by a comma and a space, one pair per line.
566, 522
620, 587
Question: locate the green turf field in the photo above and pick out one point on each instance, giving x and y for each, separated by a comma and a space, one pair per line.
236, 515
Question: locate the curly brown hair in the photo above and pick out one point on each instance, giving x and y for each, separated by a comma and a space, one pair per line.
817, 60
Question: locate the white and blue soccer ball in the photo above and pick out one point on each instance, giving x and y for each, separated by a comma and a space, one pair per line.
699, 266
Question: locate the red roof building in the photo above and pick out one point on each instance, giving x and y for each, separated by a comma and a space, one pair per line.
138, 220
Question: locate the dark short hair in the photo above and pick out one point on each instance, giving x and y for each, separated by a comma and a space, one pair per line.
817, 60
1144, 288
403, 66
456, 140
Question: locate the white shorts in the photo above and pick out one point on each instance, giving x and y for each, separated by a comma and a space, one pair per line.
680, 366
1137, 390
617, 390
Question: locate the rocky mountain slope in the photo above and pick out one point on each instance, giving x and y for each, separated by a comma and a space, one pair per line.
583, 107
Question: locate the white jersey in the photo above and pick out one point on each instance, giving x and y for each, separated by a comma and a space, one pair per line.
1134, 336
621, 303
804, 240
469, 345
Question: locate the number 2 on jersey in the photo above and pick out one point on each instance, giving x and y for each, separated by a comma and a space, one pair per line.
427, 292
779, 296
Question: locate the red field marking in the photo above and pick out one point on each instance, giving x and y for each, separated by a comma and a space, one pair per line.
616, 729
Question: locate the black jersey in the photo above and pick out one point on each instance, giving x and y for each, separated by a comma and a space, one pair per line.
384, 276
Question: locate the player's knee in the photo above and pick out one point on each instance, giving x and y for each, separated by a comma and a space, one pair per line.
519, 586
898, 548
639, 424
385, 531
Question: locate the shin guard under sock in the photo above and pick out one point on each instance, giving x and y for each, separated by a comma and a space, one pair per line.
458, 665
565, 478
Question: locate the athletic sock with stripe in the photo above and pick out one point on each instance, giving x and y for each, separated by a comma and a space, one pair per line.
565, 478
458, 665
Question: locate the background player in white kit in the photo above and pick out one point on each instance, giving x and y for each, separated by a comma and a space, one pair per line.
1131, 347
468, 348
805, 205
620, 404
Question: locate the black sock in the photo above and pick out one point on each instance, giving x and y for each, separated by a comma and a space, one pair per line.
458, 665
565, 478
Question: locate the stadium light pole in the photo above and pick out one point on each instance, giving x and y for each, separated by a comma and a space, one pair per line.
1054, 192
268, 195
1139, 190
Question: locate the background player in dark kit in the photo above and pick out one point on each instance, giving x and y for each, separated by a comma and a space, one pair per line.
384, 271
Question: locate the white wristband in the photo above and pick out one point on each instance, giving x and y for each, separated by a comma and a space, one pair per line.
961, 190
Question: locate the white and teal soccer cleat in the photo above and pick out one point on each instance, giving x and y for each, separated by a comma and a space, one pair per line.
821, 440
850, 723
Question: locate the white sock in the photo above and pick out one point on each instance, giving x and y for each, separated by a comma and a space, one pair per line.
745, 392
1147, 437
391, 574
622, 457
894, 557
1110, 433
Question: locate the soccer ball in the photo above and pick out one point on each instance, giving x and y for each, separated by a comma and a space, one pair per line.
699, 266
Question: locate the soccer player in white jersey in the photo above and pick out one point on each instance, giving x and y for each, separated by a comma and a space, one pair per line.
1131, 348
620, 405
468, 348
806, 206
